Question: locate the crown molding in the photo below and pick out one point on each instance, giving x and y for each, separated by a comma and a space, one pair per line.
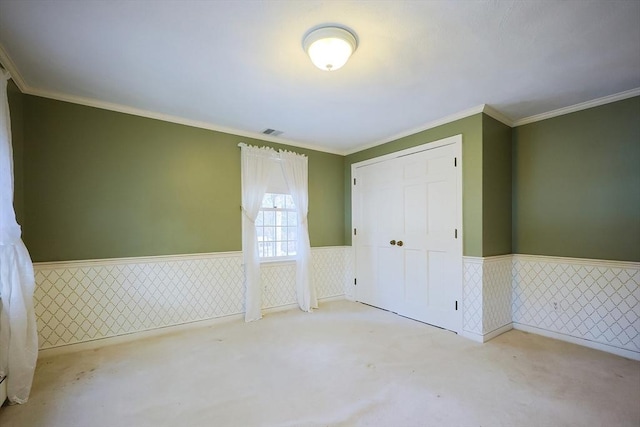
174, 119
578, 107
492, 112
12, 68
430, 125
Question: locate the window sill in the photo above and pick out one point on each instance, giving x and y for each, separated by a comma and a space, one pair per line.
282, 260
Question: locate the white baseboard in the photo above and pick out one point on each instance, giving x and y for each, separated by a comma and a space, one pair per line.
488, 336
134, 336
472, 336
580, 341
287, 307
501, 330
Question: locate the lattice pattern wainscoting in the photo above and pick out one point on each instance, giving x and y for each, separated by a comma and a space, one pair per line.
496, 293
472, 295
593, 300
486, 296
87, 300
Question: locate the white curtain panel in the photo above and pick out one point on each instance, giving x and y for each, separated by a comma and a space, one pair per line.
18, 331
295, 170
256, 165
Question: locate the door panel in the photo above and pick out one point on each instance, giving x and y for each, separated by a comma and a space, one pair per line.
438, 280
416, 207
366, 255
443, 272
389, 279
438, 216
416, 275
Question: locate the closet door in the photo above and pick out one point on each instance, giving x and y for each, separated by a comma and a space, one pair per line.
408, 242
379, 264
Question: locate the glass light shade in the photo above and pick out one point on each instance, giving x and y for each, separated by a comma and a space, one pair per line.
330, 47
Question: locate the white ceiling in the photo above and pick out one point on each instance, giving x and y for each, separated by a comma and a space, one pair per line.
239, 66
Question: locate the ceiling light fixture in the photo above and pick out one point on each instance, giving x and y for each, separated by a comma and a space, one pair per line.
330, 47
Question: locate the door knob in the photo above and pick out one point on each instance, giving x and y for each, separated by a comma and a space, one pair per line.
400, 243
393, 242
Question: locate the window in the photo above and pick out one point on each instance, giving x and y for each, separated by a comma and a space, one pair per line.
277, 227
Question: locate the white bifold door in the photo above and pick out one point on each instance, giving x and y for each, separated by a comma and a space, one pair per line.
407, 233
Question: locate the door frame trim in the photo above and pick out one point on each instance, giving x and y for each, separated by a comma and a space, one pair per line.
452, 140
408, 151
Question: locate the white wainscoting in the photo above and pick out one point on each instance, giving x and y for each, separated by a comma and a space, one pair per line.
487, 297
592, 302
595, 303
82, 301
472, 295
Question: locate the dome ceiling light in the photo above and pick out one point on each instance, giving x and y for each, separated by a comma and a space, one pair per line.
330, 47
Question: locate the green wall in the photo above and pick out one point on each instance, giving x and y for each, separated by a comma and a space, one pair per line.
92, 183
576, 184
471, 130
496, 187
17, 141
102, 184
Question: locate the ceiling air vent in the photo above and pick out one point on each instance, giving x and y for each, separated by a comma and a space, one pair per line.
272, 132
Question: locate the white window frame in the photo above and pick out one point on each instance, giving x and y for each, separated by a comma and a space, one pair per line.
287, 210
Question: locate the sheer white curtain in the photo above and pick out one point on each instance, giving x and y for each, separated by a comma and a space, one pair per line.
256, 166
295, 170
18, 332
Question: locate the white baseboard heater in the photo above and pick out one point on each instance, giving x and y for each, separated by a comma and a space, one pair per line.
3, 390
3, 380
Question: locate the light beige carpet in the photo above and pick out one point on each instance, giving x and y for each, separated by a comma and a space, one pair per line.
346, 364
